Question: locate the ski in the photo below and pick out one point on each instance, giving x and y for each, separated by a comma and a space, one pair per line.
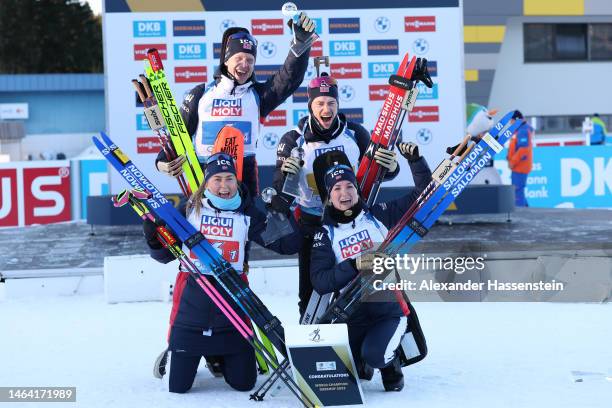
211, 262
181, 141
449, 180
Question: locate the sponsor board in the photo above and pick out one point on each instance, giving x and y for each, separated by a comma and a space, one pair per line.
383, 47
299, 114
317, 49
140, 51
145, 145
190, 74
186, 28
276, 118
353, 114
153, 28
424, 114
382, 69
263, 72
413, 24
346, 70
189, 51
346, 48
344, 25
426, 93
300, 95
274, 26
378, 92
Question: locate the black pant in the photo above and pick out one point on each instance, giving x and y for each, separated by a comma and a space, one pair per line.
239, 370
308, 224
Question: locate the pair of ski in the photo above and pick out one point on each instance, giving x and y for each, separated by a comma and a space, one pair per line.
212, 264
449, 179
400, 100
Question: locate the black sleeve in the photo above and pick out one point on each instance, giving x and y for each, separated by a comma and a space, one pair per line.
287, 245
156, 249
389, 213
326, 275
362, 136
282, 84
286, 144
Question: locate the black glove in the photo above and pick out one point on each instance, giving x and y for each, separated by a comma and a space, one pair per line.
281, 204
420, 72
149, 229
410, 151
304, 28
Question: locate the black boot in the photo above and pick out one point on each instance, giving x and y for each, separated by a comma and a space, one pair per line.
159, 368
392, 376
364, 371
214, 365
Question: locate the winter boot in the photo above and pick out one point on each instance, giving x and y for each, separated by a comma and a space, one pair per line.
392, 376
364, 371
214, 365
159, 368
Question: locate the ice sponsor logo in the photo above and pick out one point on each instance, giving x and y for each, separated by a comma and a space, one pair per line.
324, 150
355, 244
154, 28
217, 226
424, 136
317, 49
382, 69
300, 95
263, 72
270, 140
414, 24
426, 93
420, 46
424, 114
267, 49
382, 24
276, 118
226, 107
225, 24
146, 145
140, 51
185, 28
344, 25
189, 51
383, 47
216, 50
346, 93
299, 114
272, 26
378, 92
353, 114
348, 48
190, 74
346, 70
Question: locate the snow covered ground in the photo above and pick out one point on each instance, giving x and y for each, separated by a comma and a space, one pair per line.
480, 355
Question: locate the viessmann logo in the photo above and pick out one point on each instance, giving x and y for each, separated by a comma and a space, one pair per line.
267, 26
190, 74
154, 28
344, 25
140, 51
414, 24
424, 114
276, 118
346, 70
187, 28
317, 49
145, 145
378, 92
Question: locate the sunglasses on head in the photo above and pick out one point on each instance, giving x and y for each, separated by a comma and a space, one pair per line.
325, 81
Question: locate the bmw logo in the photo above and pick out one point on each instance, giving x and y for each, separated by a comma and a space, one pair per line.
347, 93
225, 24
267, 49
270, 140
420, 46
424, 136
382, 24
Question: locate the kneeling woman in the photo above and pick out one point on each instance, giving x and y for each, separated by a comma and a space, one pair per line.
375, 329
221, 210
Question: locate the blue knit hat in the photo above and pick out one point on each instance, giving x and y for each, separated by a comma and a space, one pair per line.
338, 173
219, 163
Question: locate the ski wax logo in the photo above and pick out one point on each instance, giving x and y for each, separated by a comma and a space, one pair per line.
276, 118
355, 244
426, 93
187, 28
217, 226
383, 47
145, 145
382, 69
267, 49
424, 114
353, 114
419, 24
263, 72
271, 26
378, 92
140, 51
270, 140
344, 25
324, 150
189, 51
225, 24
424, 136
420, 46
226, 107
299, 114
346, 93
348, 48
190, 74
382, 24
347, 70
156, 28
300, 95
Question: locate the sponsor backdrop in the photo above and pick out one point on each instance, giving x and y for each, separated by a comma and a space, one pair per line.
365, 46
567, 177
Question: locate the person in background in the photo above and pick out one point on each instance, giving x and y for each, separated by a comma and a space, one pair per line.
598, 135
520, 158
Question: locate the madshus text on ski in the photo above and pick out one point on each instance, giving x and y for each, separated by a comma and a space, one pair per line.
322, 206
